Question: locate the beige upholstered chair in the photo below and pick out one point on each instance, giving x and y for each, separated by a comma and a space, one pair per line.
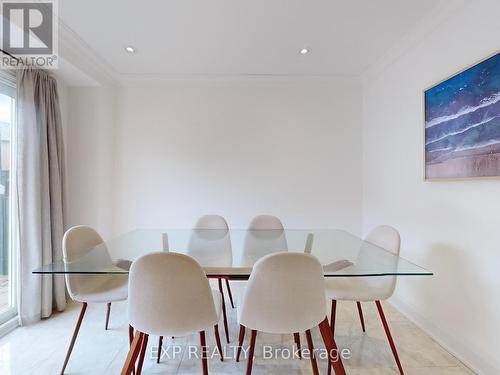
266, 235
285, 295
368, 289
210, 244
220, 252
154, 280
84, 243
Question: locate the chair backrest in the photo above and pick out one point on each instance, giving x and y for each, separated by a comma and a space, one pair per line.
285, 294
266, 235
85, 244
211, 222
210, 242
169, 295
387, 238
265, 222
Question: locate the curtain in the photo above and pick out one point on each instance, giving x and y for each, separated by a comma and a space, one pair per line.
40, 193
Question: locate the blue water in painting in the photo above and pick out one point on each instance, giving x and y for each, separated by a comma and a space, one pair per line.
463, 112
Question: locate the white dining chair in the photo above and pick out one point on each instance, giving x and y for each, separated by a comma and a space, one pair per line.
222, 244
177, 287
368, 289
85, 244
265, 235
213, 248
285, 295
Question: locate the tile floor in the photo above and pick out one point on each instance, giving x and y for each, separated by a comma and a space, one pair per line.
40, 348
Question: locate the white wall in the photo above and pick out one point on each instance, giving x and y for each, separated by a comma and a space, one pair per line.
89, 150
451, 228
286, 147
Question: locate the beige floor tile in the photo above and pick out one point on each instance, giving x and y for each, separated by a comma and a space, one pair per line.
40, 348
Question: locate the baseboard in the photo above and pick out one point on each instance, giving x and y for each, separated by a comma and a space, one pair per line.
9, 326
473, 360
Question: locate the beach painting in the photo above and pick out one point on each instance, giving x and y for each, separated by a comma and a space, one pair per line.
462, 123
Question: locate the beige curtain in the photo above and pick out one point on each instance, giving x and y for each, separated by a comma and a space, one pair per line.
40, 190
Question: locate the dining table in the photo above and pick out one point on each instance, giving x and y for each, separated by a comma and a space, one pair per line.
231, 253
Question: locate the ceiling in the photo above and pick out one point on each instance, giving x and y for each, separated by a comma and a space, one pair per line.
242, 37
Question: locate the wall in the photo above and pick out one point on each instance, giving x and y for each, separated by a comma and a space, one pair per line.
451, 228
89, 148
288, 147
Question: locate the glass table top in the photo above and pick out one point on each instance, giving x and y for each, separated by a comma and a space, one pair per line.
232, 253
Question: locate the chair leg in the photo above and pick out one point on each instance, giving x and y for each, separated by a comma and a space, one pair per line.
131, 338
217, 340
361, 319
253, 337
73, 338
311, 352
332, 317
160, 343
240, 342
296, 338
332, 325
331, 347
107, 316
229, 292
132, 355
224, 310
130, 334
144, 347
389, 336
204, 353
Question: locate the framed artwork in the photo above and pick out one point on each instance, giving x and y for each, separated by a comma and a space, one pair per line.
462, 123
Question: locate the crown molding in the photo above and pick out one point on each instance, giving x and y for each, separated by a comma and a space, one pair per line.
443, 11
79, 58
126, 80
77, 52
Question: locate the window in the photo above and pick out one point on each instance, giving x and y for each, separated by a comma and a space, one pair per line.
7, 265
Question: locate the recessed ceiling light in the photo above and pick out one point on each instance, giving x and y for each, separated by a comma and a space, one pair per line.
130, 49
304, 51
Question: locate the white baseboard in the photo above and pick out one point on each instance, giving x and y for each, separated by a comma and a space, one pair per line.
9, 326
475, 361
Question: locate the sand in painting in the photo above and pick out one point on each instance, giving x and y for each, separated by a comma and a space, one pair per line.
484, 162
